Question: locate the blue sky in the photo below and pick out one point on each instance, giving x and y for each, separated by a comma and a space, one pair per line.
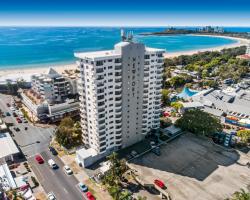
124, 13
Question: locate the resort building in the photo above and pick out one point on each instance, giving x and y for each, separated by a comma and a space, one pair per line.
120, 94
52, 95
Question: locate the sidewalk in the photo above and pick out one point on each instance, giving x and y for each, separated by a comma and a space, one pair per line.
97, 190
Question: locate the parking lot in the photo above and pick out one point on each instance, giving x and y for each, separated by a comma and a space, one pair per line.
195, 168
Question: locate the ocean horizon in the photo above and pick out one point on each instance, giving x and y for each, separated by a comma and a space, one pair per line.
32, 47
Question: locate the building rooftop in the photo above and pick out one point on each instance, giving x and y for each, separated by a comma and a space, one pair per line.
8, 146
192, 104
236, 102
96, 54
6, 179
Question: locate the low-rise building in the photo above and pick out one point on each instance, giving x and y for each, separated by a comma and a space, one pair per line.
52, 95
8, 147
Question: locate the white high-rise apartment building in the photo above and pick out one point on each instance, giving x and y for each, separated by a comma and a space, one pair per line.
120, 94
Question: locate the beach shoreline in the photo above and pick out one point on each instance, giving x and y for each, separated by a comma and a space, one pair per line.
61, 67
240, 42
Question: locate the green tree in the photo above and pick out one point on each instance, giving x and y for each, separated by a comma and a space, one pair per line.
117, 168
176, 105
165, 97
244, 135
241, 195
69, 134
199, 123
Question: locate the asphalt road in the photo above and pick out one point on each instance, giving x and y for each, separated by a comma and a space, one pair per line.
62, 185
34, 141
31, 141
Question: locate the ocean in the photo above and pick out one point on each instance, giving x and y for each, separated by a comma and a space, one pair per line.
45, 46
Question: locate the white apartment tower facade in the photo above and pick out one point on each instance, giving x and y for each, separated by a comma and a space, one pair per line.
120, 94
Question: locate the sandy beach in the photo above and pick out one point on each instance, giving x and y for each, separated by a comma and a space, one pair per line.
24, 72
240, 42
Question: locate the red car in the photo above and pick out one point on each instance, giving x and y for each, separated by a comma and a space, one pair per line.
18, 120
39, 159
159, 183
90, 196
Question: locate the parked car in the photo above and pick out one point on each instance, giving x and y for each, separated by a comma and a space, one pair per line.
7, 114
53, 150
90, 196
159, 183
18, 120
14, 114
51, 196
8, 105
39, 159
52, 164
82, 187
26, 128
67, 170
17, 129
156, 151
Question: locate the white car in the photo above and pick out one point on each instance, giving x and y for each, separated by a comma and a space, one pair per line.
51, 196
12, 109
67, 170
52, 164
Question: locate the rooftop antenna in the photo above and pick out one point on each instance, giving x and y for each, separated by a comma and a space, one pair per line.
130, 36
123, 35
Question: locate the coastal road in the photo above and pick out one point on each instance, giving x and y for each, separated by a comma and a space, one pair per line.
31, 141
56, 181
62, 185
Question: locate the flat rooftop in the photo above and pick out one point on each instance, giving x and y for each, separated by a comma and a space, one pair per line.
8, 146
6, 179
96, 54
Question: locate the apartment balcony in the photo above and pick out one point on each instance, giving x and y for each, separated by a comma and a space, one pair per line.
118, 111
118, 121
99, 70
146, 75
118, 133
102, 133
118, 87
118, 80
100, 110
145, 91
118, 116
118, 68
118, 139
118, 105
118, 128
101, 122
100, 85
158, 82
146, 69
101, 128
118, 98
145, 85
